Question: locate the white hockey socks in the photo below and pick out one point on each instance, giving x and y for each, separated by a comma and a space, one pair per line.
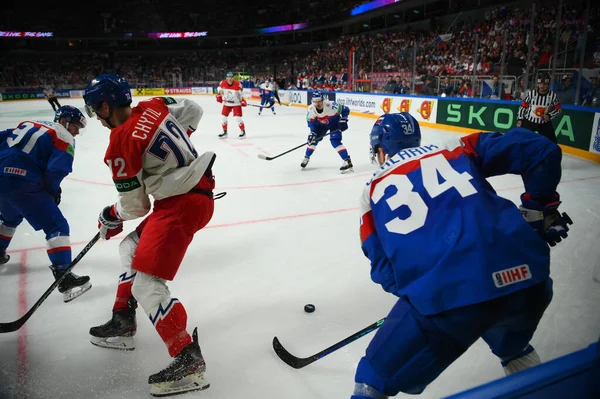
526, 359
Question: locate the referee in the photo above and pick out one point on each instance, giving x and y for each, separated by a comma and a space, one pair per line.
538, 108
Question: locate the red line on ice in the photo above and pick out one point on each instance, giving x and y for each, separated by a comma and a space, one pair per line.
22, 365
271, 219
303, 183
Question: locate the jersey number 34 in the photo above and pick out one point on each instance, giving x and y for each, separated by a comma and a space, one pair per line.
431, 167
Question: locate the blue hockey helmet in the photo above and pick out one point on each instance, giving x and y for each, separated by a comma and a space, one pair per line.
395, 132
229, 75
317, 96
71, 115
109, 88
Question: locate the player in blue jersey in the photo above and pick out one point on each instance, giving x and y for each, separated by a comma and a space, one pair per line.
34, 159
464, 262
325, 116
267, 96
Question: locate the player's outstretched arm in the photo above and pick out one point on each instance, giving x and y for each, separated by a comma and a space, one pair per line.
518, 151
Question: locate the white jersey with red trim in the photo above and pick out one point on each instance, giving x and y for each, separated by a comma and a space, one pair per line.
151, 154
232, 94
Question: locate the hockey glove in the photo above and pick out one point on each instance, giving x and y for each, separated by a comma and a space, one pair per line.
545, 219
343, 123
219, 98
243, 102
57, 196
313, 138
109, 223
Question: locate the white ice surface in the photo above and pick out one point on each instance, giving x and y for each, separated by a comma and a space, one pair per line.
281, 238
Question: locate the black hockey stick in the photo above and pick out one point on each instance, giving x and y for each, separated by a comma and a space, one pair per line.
298, 363
260, 106
15, 325
263, 156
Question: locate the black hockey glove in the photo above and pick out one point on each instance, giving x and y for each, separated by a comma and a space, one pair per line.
313, 138
58, 196
549, 223
343, 123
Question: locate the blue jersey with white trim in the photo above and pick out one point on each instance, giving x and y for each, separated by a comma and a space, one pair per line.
39, 151
435, 230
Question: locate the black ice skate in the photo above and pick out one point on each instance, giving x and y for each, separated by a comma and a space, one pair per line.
4, 257
242, 134
72, 285
223, 135
304, 162
118, 332
184, 374
347, 166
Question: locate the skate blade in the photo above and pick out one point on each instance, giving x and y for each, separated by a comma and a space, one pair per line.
192, 382
347, 171
242, 137
118, 343
73, 293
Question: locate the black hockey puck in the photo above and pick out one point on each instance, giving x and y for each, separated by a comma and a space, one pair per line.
309, 308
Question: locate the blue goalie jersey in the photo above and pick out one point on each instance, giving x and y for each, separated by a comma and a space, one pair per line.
437, 233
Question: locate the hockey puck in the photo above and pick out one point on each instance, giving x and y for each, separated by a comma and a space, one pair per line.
309, 308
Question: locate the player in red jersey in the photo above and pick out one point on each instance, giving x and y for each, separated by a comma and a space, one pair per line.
230, 94
150, 154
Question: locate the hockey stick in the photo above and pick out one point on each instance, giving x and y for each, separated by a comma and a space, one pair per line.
266, 158
261, 106
298, 363
15, 325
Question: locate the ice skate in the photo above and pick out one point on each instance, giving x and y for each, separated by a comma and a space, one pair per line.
304, 162
347, 166
118, 332
223, 135
184, 374
242, 134
4, 257
72, 285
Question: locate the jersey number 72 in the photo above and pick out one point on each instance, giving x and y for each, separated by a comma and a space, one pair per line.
169, 142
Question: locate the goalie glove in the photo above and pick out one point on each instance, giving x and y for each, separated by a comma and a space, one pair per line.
109, 223
546, 219
243, 102
219, 98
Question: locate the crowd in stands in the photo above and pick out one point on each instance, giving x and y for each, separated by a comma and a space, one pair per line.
385, 55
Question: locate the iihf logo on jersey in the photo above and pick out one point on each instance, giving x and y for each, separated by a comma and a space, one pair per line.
510, 276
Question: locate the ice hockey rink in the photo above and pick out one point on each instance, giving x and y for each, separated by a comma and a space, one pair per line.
279, 239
